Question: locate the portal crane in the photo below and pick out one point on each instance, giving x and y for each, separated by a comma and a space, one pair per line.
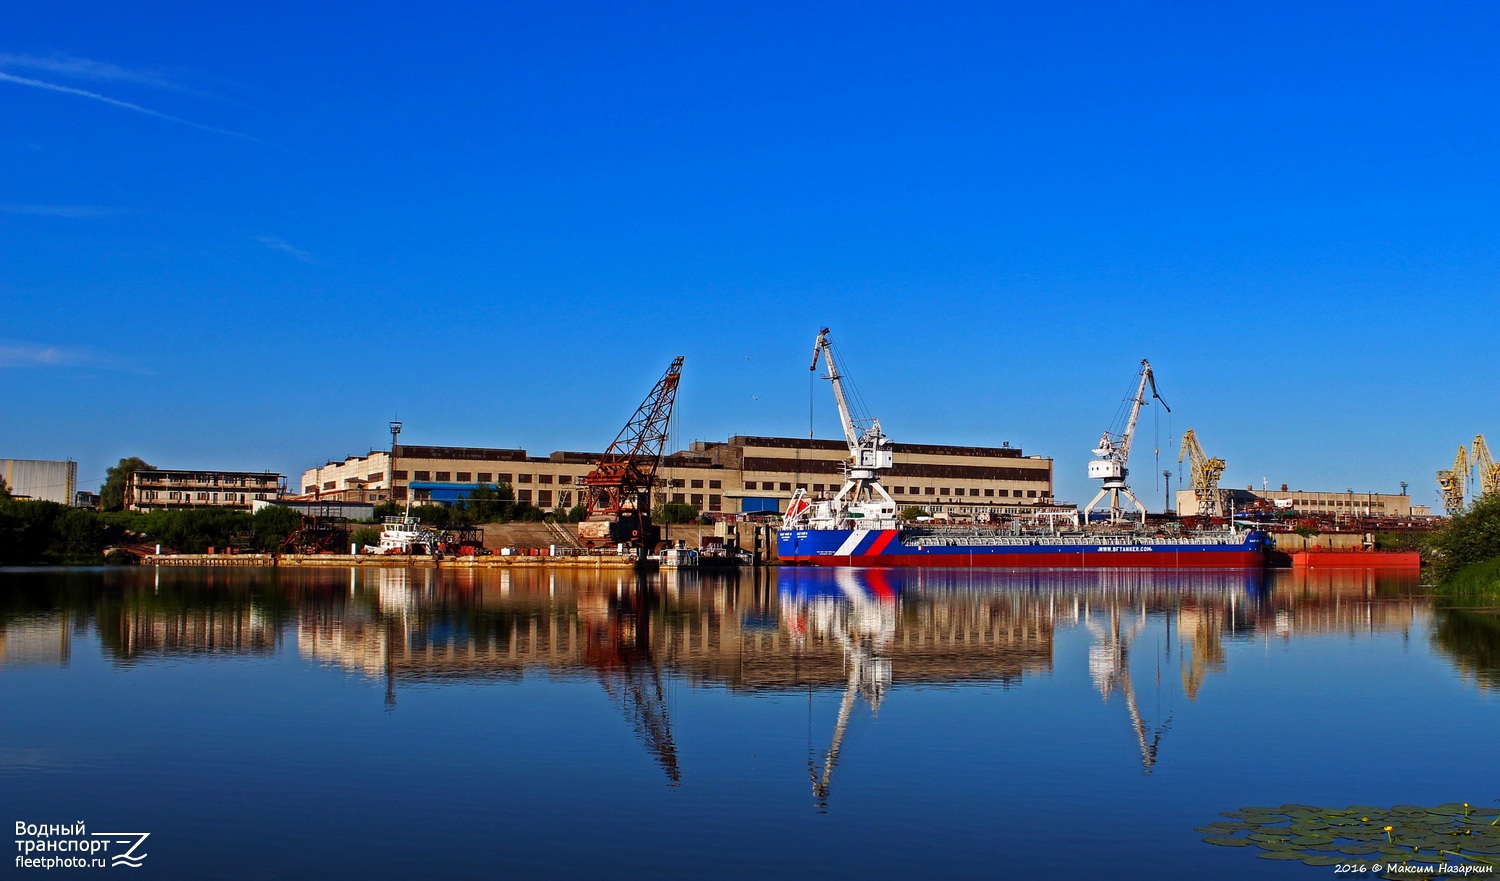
1454, 482
618, 490
1114, 453
1205, 473
861, 498
1488, 471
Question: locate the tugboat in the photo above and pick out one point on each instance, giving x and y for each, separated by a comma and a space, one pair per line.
405, 535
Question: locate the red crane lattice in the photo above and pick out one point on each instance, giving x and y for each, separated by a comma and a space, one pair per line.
622, 480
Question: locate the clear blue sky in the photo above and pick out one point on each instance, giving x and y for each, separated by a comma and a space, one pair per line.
247, 235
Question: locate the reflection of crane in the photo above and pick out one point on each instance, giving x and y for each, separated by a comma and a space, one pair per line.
861, 497
1454, 482
863, 625
618, 490
1109, 667
1488, 471
1202, 629
1114, 453
1205, 473
618, 647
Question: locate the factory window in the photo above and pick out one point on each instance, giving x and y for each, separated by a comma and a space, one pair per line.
502, 478
564, 478
378, 475
424, 475
944, 491
1031, 494
697, 484
565, 498
174, 495
398, 475
544, 498
544, 478
973, 491
749, 484
444, 476
202, 497
464, 477
523, 478
523, 495
715, 484
715, 503
929, 491
802, 486
331, 484
786, 487
817, 487
486, 477
989, 493
697, 500
675, 482
1003, 493
678, 499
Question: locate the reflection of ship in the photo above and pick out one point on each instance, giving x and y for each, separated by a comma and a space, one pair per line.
861, 617
974, 546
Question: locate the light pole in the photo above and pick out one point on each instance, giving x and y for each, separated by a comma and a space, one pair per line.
1167, 502
395, 434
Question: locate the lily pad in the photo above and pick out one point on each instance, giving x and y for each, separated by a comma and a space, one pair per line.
1225, 841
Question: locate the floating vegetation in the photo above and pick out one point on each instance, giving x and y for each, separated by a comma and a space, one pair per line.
1453, 840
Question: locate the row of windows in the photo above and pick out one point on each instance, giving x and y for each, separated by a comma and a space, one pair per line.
544, 497
698, 484
715, 501
178, 496
473, 477
901, 490
1337, 503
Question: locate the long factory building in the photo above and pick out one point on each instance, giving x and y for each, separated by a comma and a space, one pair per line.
743, 475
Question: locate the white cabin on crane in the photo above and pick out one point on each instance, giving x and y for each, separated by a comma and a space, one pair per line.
1113, 452
861, 502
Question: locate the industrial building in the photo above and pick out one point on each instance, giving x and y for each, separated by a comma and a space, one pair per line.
41, 479
742, 475
1326, 505
162, 489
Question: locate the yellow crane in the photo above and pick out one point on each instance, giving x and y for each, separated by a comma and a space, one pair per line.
1454, 481
1489, 472
1206, 473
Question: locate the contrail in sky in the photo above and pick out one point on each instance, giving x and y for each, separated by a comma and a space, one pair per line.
69, 90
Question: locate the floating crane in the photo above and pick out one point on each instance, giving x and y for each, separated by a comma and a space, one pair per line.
618, 490
1454, 482
1205, 473
1114, 453
1489, 472
861, 502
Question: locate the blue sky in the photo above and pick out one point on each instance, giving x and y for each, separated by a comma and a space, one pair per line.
246, 236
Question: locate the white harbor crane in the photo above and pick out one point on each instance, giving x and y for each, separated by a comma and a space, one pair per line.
1113, 454
861, 503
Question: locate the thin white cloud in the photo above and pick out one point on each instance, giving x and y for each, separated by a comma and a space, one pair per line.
64, 210
19, 355
84, 93
277, 243
64, 65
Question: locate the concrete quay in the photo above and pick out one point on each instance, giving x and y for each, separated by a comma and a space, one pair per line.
394, 561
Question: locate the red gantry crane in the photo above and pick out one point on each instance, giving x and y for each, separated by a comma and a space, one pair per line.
619, 488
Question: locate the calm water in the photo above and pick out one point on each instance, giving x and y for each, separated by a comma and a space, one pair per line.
844, 723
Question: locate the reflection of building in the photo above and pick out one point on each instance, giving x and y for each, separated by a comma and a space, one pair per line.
143, 628
740, 475
156, 490
41, 479
36, 640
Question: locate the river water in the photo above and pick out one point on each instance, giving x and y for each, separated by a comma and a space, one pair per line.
387, 723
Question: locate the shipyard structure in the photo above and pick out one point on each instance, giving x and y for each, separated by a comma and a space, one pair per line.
742, 475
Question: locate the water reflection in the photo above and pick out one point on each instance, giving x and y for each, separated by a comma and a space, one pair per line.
863, 635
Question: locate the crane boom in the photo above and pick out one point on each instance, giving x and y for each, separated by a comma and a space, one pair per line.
1454, 482
822, 348
1484, 464
1113, 451
1206, 472
618, 490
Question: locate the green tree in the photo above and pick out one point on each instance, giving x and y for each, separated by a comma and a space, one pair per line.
365, 535
112, 493
1470, 538
273, 524
4, 489
577, 513
912, 513
674, 512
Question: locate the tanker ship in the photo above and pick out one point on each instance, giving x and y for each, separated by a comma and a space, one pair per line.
859, 526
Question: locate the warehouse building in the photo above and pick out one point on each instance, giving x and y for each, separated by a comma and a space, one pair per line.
162, 489
41, 479
742, 475
1313, 503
